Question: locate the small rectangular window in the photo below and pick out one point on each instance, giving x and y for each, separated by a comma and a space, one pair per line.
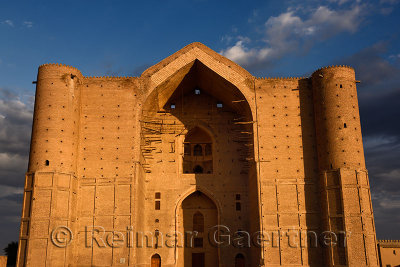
197, 91
158, 195
238, 206
219, 105
173, 106
345, 125
157, 205
237, 196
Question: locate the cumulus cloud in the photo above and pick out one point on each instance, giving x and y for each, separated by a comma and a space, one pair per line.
15, 131
290, 31
372, 67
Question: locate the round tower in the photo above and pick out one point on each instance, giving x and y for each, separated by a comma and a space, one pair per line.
56, 119
345, 192
337, 118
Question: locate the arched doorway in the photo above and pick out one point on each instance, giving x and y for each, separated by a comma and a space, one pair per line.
156, 260
199, 215
240, 260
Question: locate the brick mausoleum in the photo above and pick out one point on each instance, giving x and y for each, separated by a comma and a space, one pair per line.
196, 141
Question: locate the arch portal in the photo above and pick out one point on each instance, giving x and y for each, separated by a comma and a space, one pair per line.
155, 260
199, 215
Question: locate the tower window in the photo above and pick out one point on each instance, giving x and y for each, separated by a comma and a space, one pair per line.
341, 86
345, 125
158, 195
47, 163
237, 197
219, 105
173, 106
157, 205
238, 206
196, 91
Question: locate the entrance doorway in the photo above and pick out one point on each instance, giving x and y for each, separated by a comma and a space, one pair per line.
240, 261
199, 216
198, 260
156, 260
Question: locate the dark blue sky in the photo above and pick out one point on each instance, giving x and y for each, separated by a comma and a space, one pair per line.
269, 38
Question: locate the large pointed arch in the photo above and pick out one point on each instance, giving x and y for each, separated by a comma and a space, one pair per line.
163, 78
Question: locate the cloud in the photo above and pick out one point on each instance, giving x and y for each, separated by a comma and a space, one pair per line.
15, 131
379, 95
8, 22
28, 24
391, 175
372, 67
289, 32
6, 191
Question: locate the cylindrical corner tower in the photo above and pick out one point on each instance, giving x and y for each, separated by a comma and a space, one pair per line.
56, 119
346, 199
50, 180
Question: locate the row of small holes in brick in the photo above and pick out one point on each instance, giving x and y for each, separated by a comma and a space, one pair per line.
47, 163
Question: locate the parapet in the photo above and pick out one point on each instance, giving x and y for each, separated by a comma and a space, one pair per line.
336, 71
110, 77
281, 78
52, 69
389, 243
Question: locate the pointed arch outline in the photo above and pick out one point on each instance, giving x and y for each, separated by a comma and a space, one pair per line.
187, 193
155, 256
239, 77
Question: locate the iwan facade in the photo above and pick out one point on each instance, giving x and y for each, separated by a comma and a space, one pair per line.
196, 163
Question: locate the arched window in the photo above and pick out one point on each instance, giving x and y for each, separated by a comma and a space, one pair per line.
240, 260
198, 222
197, 152
156, 260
